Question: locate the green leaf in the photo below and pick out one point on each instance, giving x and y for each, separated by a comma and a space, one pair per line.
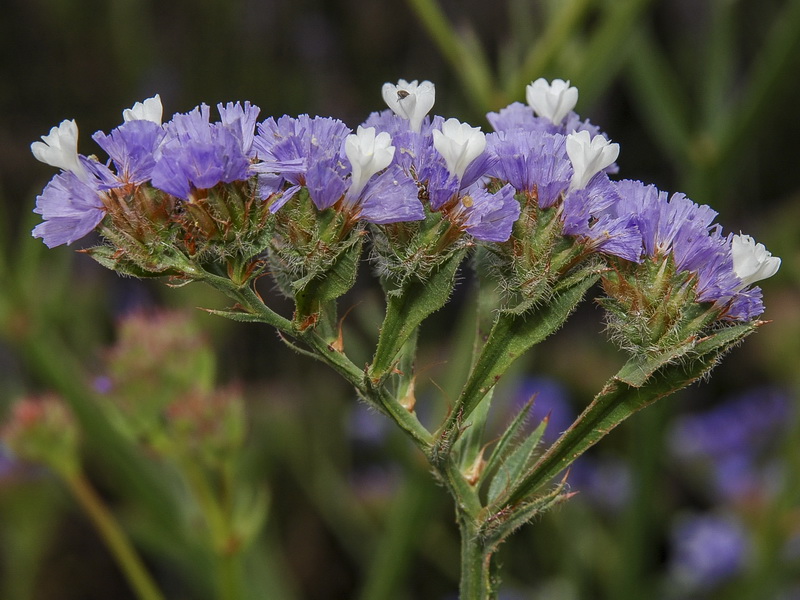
619, 400
512, 335
331, 284
114, 260
516, 463
469, 445
506, 443
638, 370
235, 315
502, 524
406, 310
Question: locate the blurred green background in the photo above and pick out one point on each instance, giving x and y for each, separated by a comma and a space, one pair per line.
702, 97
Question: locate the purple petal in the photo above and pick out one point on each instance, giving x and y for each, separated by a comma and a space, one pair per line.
133, 147
532, 161
70, 207
391, 197
491, 216
241, 120
325, 185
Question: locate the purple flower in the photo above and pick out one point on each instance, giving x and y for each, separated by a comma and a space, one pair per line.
390, 197
684, 229
746, 305
241, 120
133, 146
290, 148
389, 122
730, 440
326, 186
488, 217
745, 422
70, 206
708, 549
589, 214
442, 186
394, 125
518, 116
197, 154
531, 161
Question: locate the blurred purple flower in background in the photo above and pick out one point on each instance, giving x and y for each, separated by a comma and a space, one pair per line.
604, 482
707, 549
730, 439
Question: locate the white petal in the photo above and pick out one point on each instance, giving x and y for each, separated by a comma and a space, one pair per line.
368, 153
752, 262
459, 144
552, 101
149, 110
589, 157
411, 101
59, 148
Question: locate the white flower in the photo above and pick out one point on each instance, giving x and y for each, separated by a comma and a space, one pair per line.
368, 153
60, 149
410, 101
589, 157
551, 100
149, 110
459, 144
752, 262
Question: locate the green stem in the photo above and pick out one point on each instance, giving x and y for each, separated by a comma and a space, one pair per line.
334, 358
617, 401
476, 580
512, 335
115, 538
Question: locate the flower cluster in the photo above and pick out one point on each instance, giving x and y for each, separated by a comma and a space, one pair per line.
297, 193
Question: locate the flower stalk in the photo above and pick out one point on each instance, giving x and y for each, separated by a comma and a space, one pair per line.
115, 538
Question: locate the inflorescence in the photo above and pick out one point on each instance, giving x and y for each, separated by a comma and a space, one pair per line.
296, 192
